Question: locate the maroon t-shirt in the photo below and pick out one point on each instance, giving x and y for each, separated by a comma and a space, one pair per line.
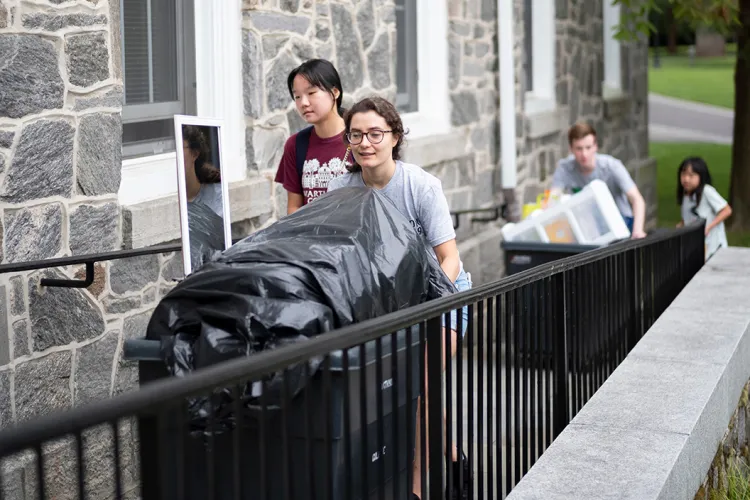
323, 162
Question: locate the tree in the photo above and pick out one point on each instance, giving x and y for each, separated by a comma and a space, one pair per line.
727, 17
671, 31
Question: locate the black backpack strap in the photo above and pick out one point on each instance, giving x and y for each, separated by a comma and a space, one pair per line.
301, 144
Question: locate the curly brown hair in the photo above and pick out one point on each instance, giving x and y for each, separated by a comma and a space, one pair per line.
389, 113
197, 141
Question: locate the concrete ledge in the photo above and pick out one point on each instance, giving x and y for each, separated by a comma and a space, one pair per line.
616, 103
157, 221
431, 150
653, 428
546, 123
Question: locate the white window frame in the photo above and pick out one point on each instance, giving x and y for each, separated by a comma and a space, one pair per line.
543, 96
410, 40
612, 63
433, 113
218, 69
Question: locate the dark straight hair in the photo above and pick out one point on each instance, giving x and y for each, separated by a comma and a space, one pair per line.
322, 74
699, 166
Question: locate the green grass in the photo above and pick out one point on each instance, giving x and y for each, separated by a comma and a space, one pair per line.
737, 486
668, 157
708, 81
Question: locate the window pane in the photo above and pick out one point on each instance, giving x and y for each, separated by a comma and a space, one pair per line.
159, 72
150, 51
164, 43
135, 54
406, 55
148, 138
145, 131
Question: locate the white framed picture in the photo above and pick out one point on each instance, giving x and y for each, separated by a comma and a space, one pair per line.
203, 193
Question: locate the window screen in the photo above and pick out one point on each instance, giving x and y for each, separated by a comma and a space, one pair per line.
158, 60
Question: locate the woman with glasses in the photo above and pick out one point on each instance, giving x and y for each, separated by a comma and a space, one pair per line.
375, 134
317, 154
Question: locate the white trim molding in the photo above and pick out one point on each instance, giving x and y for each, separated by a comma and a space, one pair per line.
543, 96
507, 93
218, 46
612, 62
433, 115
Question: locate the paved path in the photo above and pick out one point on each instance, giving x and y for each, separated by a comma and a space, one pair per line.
675, 120
489, 440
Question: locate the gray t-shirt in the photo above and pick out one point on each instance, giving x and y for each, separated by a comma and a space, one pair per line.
418, 195
210, 194
711, 204
609, 169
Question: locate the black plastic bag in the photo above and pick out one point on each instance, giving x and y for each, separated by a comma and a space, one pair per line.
347, 257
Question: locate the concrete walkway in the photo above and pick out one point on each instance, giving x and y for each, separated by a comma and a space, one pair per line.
488, 444
676, 120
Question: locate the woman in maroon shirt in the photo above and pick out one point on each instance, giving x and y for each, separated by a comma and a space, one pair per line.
316, 88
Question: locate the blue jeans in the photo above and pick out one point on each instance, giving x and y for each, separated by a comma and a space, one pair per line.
463, 283
628, 222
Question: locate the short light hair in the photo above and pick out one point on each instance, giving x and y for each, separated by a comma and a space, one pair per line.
579, 131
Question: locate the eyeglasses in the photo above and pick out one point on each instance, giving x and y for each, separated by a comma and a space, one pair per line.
374, 136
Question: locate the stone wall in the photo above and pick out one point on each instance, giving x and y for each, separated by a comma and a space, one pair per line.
733, 454
59, 130
60, 165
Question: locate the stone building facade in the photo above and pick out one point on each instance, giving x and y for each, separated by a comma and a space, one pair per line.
67, 188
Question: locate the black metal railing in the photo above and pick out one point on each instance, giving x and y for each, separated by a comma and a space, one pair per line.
337, 417
89, 260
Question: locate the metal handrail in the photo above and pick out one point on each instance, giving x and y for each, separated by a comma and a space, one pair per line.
88, 259
496, 212
157, 395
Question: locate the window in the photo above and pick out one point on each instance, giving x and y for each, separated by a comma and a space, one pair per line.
539, 55
612, 63
176, 63
158, 60
422, 66
406, 56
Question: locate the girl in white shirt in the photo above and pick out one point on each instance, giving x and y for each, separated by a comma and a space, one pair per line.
698, 199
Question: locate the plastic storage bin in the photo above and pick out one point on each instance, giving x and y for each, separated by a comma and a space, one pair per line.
589, 217
159, 471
